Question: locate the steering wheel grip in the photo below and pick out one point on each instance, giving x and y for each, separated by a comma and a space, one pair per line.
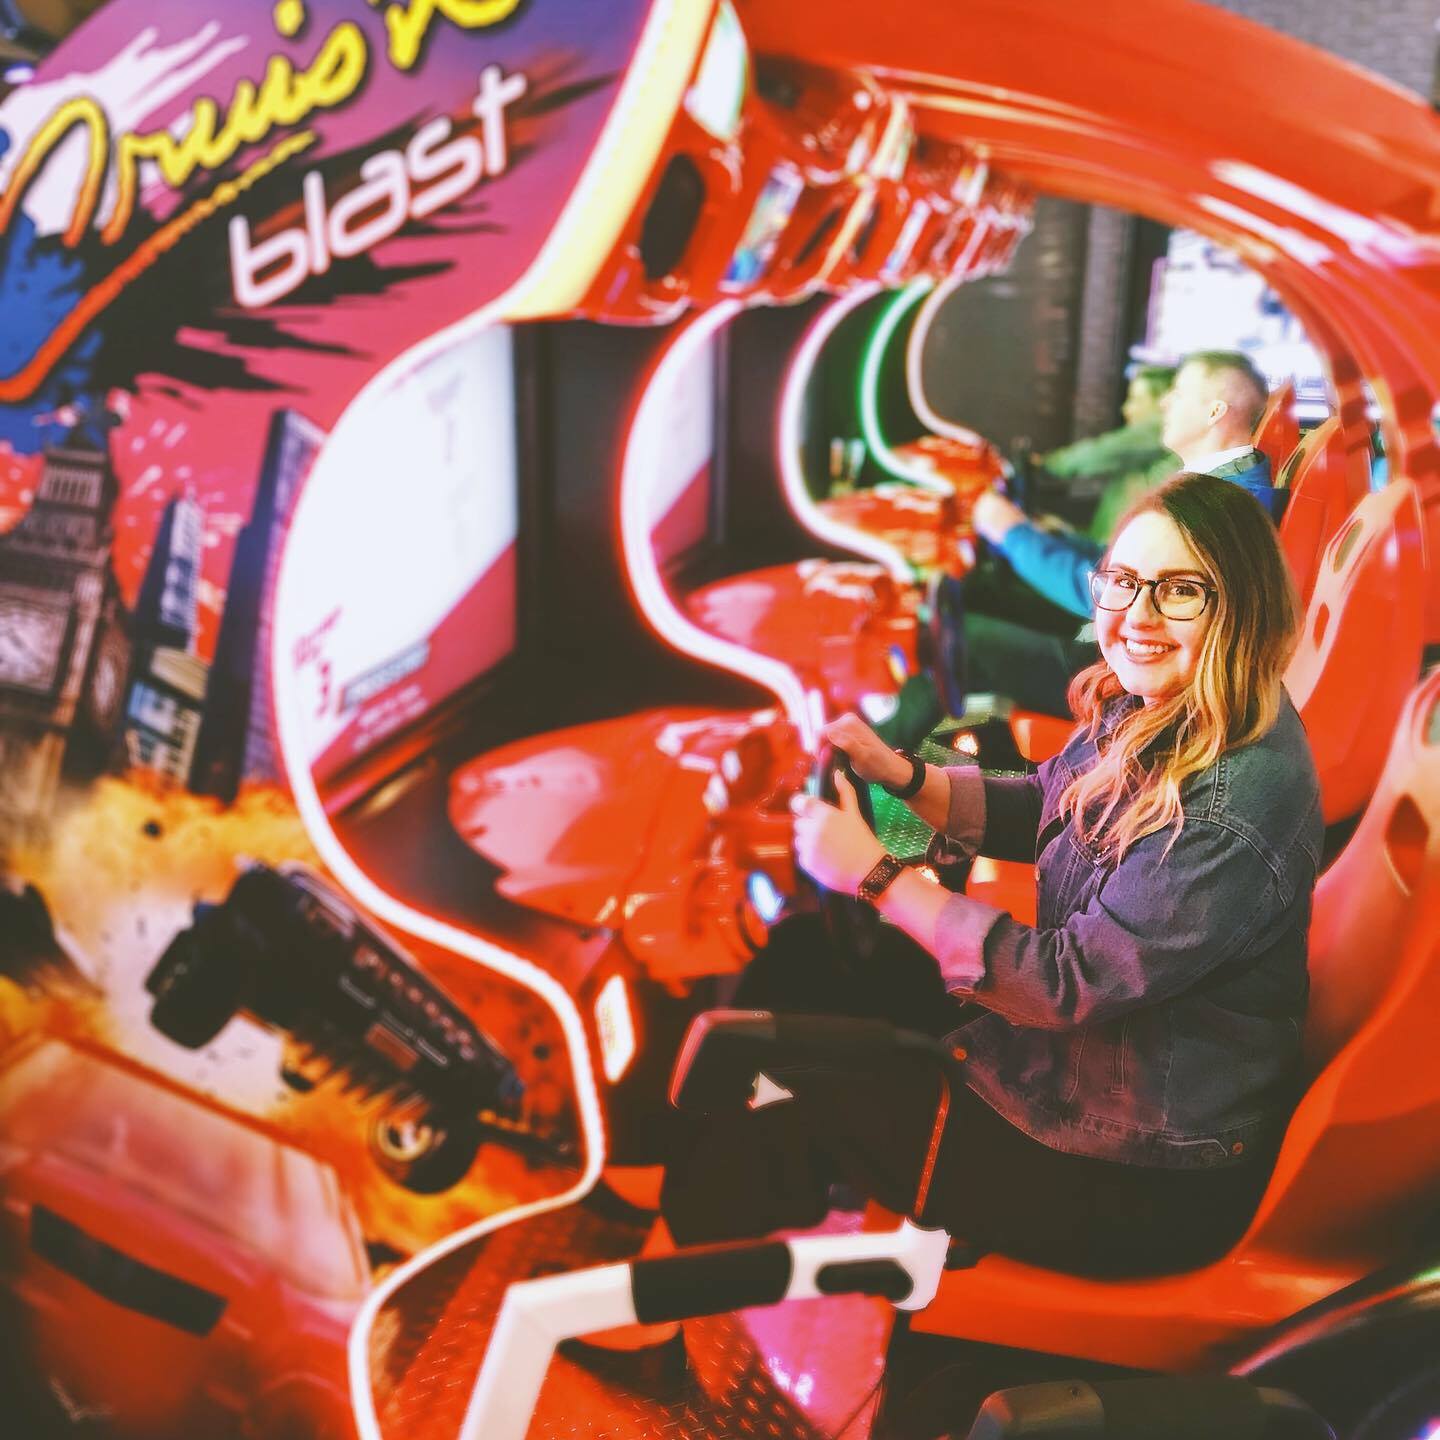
851, 926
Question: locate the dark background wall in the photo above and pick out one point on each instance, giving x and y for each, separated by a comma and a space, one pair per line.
1002, 354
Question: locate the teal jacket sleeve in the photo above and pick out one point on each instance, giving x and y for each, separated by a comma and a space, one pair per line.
1058, 566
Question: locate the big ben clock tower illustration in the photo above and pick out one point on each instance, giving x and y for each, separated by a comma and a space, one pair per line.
64, 641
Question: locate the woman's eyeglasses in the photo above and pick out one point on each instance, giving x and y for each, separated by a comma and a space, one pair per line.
1176, 597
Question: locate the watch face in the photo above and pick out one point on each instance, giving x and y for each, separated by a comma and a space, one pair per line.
31, 637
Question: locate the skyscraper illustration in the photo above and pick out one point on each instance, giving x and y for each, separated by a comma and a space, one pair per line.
168, 679
236, 740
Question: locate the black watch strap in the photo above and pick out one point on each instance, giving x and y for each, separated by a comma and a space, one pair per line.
912, 786
881, 877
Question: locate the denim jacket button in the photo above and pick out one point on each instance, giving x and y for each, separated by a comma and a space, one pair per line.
1238, 1148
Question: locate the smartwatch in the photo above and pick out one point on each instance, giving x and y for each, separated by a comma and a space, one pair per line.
881, 877
912, 786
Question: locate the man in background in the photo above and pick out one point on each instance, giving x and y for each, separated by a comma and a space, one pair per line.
1120, 464
1020, 634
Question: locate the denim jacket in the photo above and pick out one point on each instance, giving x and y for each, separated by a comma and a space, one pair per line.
1153, 1013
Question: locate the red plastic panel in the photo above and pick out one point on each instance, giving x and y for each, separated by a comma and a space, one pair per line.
1278, 431
1037, 736
834, 623
1360, 645
1324, 488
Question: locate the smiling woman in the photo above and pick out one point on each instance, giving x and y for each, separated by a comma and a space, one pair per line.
1203, 648
1151, 632
1131, 1057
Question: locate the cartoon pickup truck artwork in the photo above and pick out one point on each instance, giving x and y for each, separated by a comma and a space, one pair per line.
291, 953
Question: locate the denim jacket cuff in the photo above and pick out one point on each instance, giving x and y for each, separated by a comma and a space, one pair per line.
965, 818
960, 941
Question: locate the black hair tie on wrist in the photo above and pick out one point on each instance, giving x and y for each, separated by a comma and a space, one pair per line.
911, 787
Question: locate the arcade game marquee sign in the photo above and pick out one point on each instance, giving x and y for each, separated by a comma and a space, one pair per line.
217, 223
435, 166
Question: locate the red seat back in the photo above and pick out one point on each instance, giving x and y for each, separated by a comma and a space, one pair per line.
1361, 1159
1278, 431
1037, 737
1360, 644
1324, 488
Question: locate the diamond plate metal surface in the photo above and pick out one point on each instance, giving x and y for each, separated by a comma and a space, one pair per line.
901, 831
808, 1370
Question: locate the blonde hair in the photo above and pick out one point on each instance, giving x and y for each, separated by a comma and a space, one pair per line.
1235, 696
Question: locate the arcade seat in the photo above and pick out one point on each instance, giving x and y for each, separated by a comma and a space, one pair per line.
1278, 431
1037, 737
1360, 644
1348, 1196
1354, 1182
1323, 489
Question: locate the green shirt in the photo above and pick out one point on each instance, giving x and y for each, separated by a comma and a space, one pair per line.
1129, 461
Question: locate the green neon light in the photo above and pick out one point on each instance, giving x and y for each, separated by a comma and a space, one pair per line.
870, 368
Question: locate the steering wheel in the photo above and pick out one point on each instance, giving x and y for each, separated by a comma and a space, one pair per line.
1015, 484
851, 926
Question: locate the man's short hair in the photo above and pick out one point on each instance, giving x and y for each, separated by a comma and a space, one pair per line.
1157, 379
1253, 388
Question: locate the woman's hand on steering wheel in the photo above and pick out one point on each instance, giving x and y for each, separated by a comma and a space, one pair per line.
869, 756
833, 843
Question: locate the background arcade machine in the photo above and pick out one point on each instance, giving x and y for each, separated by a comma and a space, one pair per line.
913, 493
850, 628
829, 607
922, 478
846, 626
858, 449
